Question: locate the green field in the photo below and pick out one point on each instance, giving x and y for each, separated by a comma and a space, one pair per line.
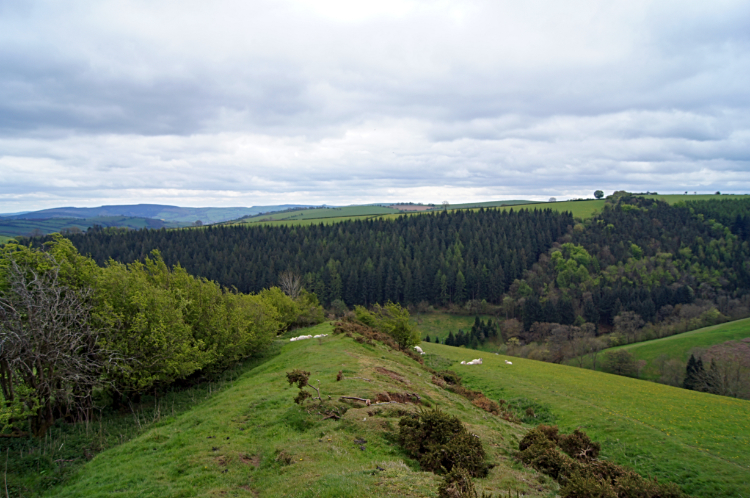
441, 324
253, 440
581, 209
675, 198
679, 346
695, 439
4, 239
319, 214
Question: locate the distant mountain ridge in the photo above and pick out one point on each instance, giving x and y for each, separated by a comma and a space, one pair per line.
154, 211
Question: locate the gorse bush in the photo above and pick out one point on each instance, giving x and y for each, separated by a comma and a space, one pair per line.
571, 460
440, 442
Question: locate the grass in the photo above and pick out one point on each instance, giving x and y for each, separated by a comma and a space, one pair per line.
697, 440
675, 198
251, 439
36, 465
4, 239
441, 324
320, 213
679, 346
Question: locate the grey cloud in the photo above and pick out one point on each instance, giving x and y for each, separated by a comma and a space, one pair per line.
284, 99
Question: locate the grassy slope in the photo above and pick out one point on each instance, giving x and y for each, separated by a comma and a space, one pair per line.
441, 324
679, 346
4, 239
321, 213
695, 439
228, 445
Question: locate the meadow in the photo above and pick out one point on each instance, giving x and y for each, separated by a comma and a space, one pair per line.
251, 439
679, 346
439, 325
675, 198
695, 439
319, 214
4, 239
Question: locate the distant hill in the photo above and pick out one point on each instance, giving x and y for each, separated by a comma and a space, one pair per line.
155, 211
135, 216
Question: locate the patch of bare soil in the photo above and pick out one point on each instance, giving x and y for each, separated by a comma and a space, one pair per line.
398, 398
253, 460
392, 375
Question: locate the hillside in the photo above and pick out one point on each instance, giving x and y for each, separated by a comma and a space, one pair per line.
12, 227
695, 439
253, 440
303, 216
155, 211
679, 346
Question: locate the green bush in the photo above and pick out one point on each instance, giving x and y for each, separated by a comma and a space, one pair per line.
457, 484
440, 442
583, 476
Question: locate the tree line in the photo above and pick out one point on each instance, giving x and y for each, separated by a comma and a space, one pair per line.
439, 258
71, 330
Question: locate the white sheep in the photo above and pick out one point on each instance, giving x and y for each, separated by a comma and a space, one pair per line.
319, 336
476, 361
508, 362
300, 338
418, 350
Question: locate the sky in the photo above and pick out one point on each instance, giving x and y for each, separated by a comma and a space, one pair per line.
242, 103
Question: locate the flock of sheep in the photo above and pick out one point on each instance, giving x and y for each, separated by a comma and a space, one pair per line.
303, 337
477, 361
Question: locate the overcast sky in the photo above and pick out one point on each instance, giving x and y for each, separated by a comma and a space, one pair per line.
241, 103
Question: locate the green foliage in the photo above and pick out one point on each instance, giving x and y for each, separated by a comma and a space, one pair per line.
394, 321
572, 264
578, 470
620, 362
440, 442
144, 315
457, 484
299, 377
390, 319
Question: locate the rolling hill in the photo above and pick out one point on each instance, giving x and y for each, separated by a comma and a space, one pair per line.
679, 346
252, 440
695, 439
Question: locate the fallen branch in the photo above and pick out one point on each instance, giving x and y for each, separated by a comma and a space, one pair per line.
363, 400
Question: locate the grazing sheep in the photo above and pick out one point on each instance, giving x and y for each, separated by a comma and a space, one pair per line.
301, 338
477, 361
508, 362
418, 350
319, 336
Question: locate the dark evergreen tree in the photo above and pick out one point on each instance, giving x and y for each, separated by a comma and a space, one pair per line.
693, 373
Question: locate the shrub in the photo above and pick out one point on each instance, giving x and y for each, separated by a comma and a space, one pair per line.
584, 476
457, 484
440, 442
579, 446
